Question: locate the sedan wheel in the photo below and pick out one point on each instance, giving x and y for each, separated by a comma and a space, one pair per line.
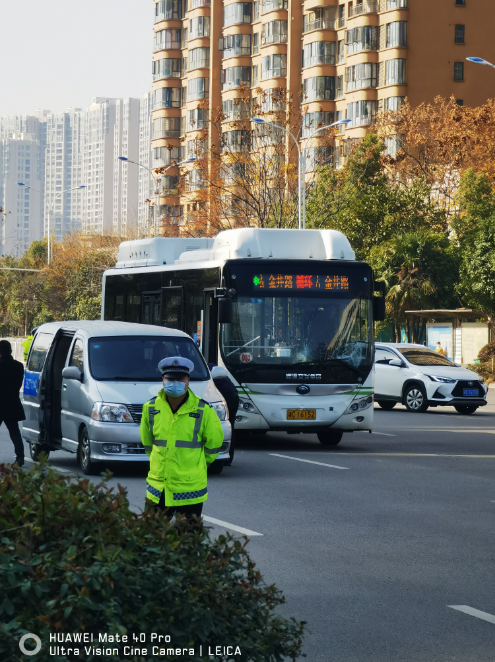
415, 400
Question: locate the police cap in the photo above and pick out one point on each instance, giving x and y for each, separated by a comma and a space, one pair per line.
175, 365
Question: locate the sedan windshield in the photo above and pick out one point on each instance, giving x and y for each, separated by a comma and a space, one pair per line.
136, 358
424, 357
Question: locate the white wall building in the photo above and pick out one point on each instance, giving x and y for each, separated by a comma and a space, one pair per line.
64, 171
75, 148
126, 176
21, 224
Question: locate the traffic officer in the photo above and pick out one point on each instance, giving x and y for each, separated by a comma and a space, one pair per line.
182, 435
26, 345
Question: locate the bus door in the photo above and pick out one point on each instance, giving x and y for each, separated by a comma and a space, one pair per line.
209, 340
151, 304
172, 308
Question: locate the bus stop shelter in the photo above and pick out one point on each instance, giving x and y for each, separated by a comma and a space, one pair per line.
459, 331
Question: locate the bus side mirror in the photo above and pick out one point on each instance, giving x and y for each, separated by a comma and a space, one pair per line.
225, 311
379, 309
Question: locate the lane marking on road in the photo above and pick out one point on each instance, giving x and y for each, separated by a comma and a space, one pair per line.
233, 527
298, 459
358, 454
52, 466
483, 615
384, 434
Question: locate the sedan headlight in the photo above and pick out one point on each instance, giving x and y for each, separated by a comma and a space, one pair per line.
221, 409
108, 412
359, 404
443, 380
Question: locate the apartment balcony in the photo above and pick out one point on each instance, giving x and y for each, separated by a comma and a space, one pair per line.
273, 39
370, 7
320, 24
198, 3
165, 46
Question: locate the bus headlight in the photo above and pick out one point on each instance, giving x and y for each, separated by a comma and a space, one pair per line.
360, 404
108, 412
221, 410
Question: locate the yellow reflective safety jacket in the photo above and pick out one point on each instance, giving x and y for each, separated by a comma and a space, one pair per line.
26, 346
180, 447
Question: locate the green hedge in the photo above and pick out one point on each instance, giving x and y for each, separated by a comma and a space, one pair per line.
75, 559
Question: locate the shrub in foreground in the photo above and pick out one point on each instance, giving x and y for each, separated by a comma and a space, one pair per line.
74, 559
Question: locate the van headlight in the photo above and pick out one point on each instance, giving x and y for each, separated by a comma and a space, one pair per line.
108, 412
359, 404
221, 410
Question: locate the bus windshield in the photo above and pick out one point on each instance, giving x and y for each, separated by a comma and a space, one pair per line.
297, 334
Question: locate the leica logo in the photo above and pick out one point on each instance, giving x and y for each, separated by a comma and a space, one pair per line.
298, 376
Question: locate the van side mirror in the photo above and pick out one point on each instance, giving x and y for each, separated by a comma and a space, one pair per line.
72, 373
396, 362
219, 373
225, 311
379, 309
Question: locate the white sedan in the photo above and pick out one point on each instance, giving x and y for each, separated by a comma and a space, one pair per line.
420, 378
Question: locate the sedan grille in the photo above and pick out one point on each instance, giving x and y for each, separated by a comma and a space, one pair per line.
133, 449
458, 391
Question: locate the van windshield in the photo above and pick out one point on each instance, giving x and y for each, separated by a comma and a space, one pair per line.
136, 358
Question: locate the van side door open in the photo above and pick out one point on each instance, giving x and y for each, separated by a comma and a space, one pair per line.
71, 410
32, 395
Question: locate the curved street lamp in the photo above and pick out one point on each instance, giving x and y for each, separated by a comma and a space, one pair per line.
301, 171
155, 177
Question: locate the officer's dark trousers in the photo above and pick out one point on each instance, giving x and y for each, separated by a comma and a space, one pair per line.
15, 435
188, 511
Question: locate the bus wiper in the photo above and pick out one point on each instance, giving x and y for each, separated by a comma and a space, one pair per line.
333, 358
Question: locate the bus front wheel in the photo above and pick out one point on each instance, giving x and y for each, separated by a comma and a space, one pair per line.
330, 437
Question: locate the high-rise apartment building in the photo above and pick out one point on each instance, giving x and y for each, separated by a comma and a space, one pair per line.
63, 172
126, 177
336, 60
21, 223
145, 180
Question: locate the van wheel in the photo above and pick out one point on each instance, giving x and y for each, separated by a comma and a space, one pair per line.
35, 450
330, 438
415, 399
465, 409
216, 467
88, 467
387, 405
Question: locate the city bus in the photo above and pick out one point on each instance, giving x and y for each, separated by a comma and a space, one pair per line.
288, 313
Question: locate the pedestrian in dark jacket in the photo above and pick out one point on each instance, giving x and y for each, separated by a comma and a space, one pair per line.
229, 392
11, 410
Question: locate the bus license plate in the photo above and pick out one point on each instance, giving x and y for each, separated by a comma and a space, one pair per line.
301, 414
470, 391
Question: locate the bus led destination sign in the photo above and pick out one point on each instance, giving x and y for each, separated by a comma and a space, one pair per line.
300, 282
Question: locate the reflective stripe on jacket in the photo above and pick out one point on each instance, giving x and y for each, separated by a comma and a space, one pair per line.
180, 447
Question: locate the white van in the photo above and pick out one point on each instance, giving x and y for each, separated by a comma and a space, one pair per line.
86, 382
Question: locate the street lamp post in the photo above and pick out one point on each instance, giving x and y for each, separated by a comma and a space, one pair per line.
301, 171
155, 177
51, 206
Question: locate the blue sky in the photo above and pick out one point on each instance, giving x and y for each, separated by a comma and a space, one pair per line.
56, 54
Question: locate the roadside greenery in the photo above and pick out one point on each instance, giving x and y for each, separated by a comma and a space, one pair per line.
69, 288
75, 559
